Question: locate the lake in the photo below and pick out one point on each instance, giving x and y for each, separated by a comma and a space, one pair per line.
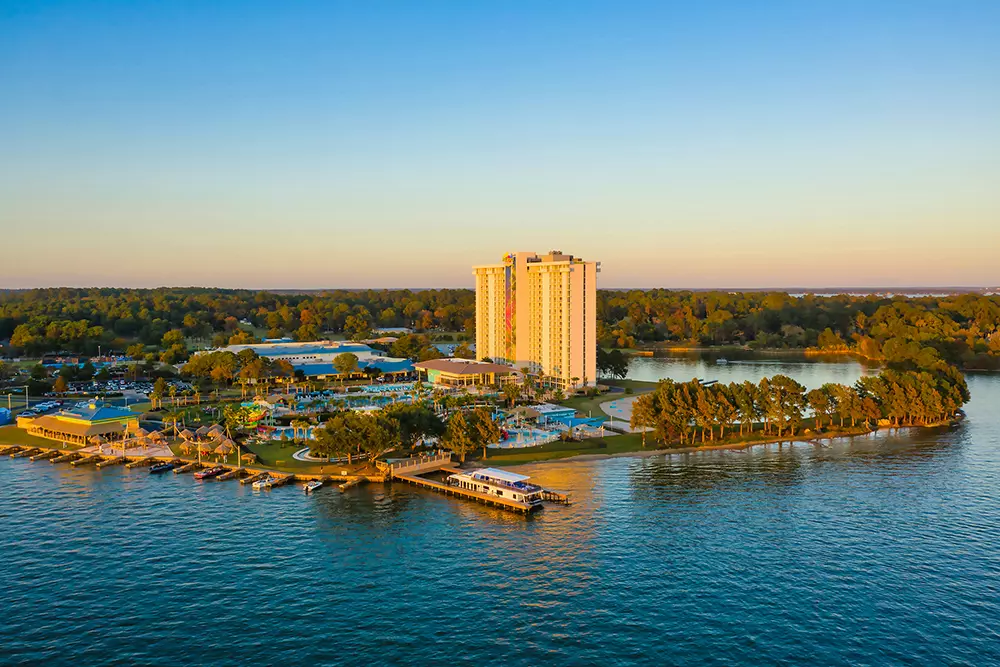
879, 549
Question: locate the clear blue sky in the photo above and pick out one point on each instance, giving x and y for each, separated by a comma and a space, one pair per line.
329, 144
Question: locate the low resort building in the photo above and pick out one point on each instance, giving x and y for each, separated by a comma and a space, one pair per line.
465, 372
315, 359
77, 425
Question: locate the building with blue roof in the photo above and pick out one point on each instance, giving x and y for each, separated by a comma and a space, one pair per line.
79, 424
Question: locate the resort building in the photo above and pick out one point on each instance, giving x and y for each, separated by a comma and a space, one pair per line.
540, 313
464, 372
79, 424
315, 359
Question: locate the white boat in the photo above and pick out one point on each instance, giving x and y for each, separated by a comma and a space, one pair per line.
500, 483
722, 360
262, 483
312, 485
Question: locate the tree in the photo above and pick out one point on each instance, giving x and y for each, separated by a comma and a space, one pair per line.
379, 433
463, 351
345, 363
416, 422
60, 386
372, 372
485, 430
512, 392
457, 437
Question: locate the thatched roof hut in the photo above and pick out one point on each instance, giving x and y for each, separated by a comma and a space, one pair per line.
201, 432
187, 434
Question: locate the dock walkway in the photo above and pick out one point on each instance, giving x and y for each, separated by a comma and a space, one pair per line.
497, 501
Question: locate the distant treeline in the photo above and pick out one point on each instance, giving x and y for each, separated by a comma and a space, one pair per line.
961, 329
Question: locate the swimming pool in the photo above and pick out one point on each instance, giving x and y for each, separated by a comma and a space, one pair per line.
526, 437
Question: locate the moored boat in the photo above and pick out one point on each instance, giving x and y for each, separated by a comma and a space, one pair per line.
262, 483
161, 467
210, 473
501, 484
312, 485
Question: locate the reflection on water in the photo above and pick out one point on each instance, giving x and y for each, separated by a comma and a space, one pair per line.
878, 549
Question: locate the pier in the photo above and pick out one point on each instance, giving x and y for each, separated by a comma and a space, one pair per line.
51, 454
190, 467
69, 457
24, 453
143, 462
86, 460
496, 501
112, 461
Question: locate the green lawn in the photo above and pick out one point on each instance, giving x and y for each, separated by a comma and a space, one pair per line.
12, 435
591, 405
277, 454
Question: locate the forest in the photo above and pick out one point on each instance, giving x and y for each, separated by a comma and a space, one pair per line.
167, 323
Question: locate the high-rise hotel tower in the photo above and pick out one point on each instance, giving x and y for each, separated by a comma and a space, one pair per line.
540, 312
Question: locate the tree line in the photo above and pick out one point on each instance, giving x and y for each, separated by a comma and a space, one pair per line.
677, 412
165, 323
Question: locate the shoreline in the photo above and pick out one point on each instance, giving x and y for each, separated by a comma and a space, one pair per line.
730, 446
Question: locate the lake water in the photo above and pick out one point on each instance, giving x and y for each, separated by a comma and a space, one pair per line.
875, 550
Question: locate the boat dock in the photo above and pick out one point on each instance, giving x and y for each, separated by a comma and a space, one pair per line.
410, 470
24, 453
86, 460
496, 501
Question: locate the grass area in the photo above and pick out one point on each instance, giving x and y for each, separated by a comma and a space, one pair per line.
277, 454
632, 442
591, 405
12, 435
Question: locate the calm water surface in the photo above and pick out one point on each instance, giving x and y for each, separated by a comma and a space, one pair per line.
874, 550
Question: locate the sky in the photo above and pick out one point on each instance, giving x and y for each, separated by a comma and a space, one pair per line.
397, 144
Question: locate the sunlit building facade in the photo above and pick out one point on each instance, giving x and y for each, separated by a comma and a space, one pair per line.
540, 312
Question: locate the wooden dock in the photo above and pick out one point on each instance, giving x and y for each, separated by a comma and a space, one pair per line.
350, 484
140, 463
86, 460
67, 457
7, 449
231, 474
110, 461
190, 467
253, 478
280, 481
24, 453
51, 454
496, 501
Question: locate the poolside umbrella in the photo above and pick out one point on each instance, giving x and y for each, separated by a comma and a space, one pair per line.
215, 431
141, 433
202, 432
187, 434
249, 457
96, 440
186, 448
155, 436
224, 449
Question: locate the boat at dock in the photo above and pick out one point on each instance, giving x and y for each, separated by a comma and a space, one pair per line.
210, 473
312, 485
161, 467
500, 484
262, 483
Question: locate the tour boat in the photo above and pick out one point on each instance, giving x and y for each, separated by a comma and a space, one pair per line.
161, 467
262, 483
499, 483
312, 485
210, 473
